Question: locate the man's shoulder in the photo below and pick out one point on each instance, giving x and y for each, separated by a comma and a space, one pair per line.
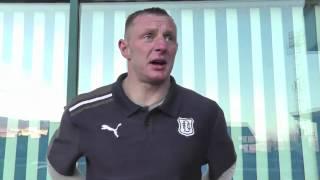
90, 98
195, 97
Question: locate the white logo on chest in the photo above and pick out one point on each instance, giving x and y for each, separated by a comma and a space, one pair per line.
108, 128
185, 126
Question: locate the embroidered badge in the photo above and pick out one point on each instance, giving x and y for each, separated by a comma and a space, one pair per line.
185, 126
108, 128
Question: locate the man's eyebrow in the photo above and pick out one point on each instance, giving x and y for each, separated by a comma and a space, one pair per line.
150, 29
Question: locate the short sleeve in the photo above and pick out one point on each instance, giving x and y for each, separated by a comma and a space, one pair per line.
221, 152
64, 151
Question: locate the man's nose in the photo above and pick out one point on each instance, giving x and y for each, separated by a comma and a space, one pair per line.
161, 44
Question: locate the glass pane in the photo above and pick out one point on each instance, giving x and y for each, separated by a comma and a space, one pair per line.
33, 69
251, 57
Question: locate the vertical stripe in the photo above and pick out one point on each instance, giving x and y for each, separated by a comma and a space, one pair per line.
21, 151
211, 64
3, 127
53, 126
222, 53
317, 14
17, 41
246, 98
187, 49
268, 81
120, 63
314, 76
108, 47
48, 54
38, 47
258, 95
281, 94
42, 155
233, 66
66, 28
308, 143
58, 52
310, 27
85, 51
177, 68
7, 37
234, 86
28, 43
295, 140
33, 150
97, 49
317, 79
199, 67
1, 36
10, 151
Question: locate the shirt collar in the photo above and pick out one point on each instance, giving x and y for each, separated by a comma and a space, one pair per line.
121, 98
170, 106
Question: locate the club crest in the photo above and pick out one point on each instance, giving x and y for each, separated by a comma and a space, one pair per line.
185, 126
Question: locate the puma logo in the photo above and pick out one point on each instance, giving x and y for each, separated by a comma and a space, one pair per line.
115, 131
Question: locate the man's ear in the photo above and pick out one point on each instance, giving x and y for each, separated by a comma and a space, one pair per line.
123, 46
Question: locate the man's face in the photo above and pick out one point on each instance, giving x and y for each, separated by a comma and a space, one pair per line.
150, 48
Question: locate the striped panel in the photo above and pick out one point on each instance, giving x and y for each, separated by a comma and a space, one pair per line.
211, 67
53, 126
295, 139
97, 49
1, 35
59, 51
317, 14
246, 91
21, 151
10, 150
280, 95
273, 156
3, 127
304, 99
33, 51
32, 163
85, 52
234, 85
7, 37
258, 95
38, 46
28, 50
222, 66
177, 68
42, 148
17, 41
119, 64
187, 49
199, 52
109, 25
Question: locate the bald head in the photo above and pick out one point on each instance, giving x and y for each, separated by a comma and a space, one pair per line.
149, 11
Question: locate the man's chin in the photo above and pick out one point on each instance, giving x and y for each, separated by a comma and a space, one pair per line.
157, 80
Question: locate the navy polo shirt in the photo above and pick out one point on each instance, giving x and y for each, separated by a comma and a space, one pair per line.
124, 141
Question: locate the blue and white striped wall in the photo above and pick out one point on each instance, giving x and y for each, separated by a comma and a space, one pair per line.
33, 69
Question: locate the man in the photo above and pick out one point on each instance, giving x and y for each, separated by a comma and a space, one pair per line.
144, 126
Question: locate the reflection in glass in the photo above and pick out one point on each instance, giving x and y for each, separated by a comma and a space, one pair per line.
33, 51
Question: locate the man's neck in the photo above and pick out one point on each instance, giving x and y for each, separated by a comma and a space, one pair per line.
145, 94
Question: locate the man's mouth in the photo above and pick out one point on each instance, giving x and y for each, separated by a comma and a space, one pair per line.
158, 62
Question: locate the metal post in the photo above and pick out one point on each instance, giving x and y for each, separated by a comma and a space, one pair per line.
73, 56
